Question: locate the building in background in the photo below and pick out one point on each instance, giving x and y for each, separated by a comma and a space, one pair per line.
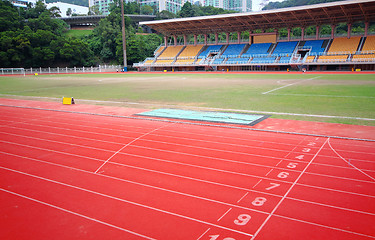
64, 7
175, 5
23, 3
172, 6
103, 5
235, 5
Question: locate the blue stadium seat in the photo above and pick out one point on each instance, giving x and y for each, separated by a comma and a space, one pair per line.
257, 48
233, 50
238, 60
263, 60
316, 46
209, 49
284, 59
285, 48
218, 61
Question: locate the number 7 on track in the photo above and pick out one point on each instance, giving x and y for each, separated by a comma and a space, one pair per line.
273, 185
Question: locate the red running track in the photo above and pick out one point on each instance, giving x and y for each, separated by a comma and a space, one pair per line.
78, 176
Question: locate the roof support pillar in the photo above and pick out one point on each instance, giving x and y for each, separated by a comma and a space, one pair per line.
251, 37
195, 39
185, 40
165, 41
349, 30
288, 34
175, 40
205, 39
216, 38
227, 34
366, 28
333, 30
317, 34
302, 33
238, 37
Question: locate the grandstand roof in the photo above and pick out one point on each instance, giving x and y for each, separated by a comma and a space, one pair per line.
318, 14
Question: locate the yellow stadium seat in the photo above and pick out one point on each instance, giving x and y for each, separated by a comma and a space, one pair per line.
369, 44
333, 58
344, 45
170, 52
310, 59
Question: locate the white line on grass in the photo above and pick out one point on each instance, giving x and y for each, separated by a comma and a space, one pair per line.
317, 95
289, 85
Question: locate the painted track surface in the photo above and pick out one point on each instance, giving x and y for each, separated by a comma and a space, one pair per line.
78, 176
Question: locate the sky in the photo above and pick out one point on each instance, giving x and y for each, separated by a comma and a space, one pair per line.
256, 6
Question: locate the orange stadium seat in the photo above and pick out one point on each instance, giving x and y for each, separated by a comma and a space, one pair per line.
332, 58
344, 45
163, 62
363, 58
185, 61
369, 44
310, 59
170, 52
191, 51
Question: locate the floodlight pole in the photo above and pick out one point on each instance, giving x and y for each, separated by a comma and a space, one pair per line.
123, 36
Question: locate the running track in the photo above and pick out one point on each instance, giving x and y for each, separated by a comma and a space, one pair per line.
66, 175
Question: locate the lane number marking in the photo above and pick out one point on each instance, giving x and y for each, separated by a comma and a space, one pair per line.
242, 219
283, 175
292, 165
274, 185
300, 157
259, 201
214, 237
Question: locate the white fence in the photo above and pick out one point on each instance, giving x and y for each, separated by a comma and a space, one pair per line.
58, 70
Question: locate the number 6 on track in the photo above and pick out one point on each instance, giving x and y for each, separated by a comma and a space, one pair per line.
242, 219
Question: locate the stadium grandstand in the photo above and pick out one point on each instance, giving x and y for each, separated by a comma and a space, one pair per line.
263, 48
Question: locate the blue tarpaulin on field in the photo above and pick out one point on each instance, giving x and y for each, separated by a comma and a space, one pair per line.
220, 117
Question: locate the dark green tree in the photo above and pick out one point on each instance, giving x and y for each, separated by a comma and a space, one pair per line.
186, 11
9, 17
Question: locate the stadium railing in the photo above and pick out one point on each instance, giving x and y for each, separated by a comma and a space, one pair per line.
58, 70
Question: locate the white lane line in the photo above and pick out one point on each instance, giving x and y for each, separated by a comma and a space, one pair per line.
190, 195
195, 139
163, 160
290, 189
325, 226
348, 162
291, 84
143, 184
77, 214
257, 183
239, 200
194, 179
224, 214
97, 170
127, 201
96, 140
204, 233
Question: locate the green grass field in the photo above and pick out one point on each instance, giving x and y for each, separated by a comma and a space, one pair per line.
343, 95
78, 33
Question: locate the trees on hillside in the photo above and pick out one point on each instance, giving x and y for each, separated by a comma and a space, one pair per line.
294, 3
31, 38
